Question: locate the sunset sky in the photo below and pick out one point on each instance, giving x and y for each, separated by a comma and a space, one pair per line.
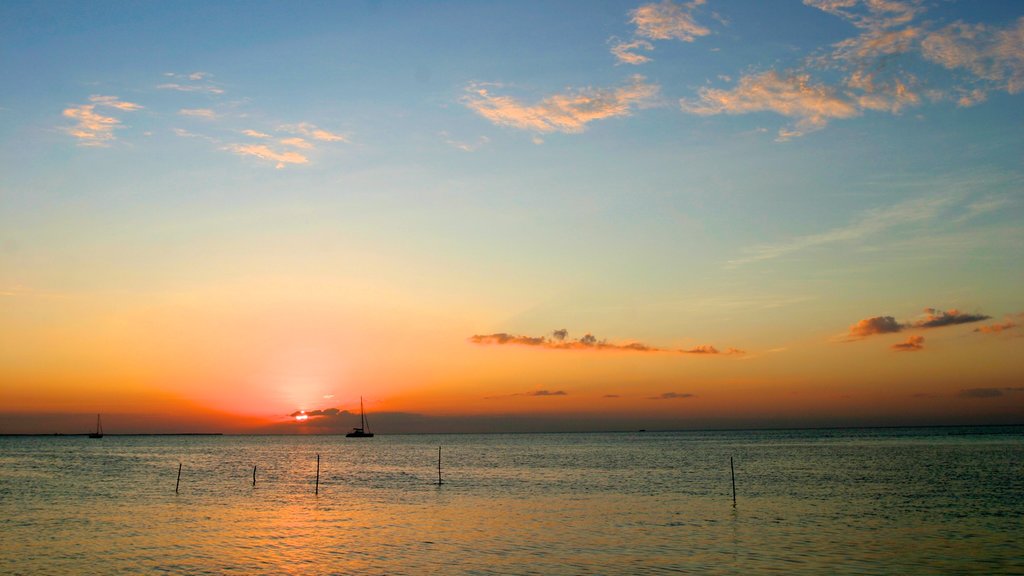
510, 215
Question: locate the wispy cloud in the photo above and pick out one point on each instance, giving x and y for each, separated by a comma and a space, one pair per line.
465, 146
263, 152
314, 132
92, 128
989, 392
255, 134
668, 21
192, 82
871, 14
625, 52
912, 344
204, 113
865, 226
114, 102
569, 112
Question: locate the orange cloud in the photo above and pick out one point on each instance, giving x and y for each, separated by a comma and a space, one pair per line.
569, 113
873, 14
266, 153
114, 102
875, 325
1011, 322
92, 128
625, 51
794, 96
307, 129
668, 21
993, 54
559, 341
912, 344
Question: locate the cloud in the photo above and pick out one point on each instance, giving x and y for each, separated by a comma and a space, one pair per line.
875, 43
875, 325
255, 134
1010, 322
114, 102
934, 318
266, 153
568, 113
560, 340
709, 349
316, 413
307, 129
465, 146
912, 344
866, 225
991, 54
625, 51
204, 113
938, 318
793, 95
192, 82
668, 21
988, 392
671, 396
92, 128
296, 143
872, 14
543, 393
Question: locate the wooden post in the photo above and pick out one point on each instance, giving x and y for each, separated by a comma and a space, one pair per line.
733, 471
178, 481
253, 475
439, 481
316, 490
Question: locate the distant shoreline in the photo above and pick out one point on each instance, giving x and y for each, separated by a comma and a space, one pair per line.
139, 434
638, 431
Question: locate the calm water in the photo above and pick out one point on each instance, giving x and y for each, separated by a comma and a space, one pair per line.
895, 501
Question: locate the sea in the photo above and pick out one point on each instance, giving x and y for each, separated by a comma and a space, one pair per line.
838, 501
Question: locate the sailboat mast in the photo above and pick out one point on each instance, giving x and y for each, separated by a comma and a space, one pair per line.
362, 414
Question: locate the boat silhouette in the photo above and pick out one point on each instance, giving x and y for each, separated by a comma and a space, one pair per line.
363, 431
99, 429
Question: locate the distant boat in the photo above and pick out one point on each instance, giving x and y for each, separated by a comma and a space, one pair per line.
99, 429
363, 430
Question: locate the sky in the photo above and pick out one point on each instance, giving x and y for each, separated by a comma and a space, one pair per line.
510, 216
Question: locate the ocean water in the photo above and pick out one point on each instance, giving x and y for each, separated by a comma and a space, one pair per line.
881, 501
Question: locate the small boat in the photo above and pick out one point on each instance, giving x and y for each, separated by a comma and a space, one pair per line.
363, 430
99, 429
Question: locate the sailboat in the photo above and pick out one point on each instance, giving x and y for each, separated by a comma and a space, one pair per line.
99, 429
363, 430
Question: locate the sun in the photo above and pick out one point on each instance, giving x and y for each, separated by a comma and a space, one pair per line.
302, 416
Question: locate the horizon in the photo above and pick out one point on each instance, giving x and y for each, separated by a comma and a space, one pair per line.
502, 216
